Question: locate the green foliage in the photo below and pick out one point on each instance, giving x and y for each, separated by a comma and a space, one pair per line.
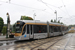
1, 24
58, 21
61, 23
26, 18
51, 20
4, 30
71, 26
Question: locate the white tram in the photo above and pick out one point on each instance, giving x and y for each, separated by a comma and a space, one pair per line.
30, 29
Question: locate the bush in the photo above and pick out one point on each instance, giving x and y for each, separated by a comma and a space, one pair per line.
4, 30
1, 24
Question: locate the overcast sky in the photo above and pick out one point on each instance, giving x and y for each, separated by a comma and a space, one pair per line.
44, 10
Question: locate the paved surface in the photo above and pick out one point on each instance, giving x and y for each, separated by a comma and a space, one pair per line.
3, 38
66, 42
6, 39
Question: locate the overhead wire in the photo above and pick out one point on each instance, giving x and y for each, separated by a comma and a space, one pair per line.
71, 19
65, 7
53, 6
22, 5
30, 7
46, 5
26, 6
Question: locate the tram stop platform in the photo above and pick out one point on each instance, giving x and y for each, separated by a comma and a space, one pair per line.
6, 39
3, 38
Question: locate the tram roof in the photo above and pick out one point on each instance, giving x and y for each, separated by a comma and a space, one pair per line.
37, 21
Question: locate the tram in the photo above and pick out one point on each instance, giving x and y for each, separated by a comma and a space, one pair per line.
30, 29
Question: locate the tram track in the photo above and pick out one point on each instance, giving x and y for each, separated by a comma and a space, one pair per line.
41, 44
60, 47
48, 43
54, 43
35, 44
67, 43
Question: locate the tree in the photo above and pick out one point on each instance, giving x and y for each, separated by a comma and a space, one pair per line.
1, 24
26, 18
4, 30
51, 20
58, 21
61, 22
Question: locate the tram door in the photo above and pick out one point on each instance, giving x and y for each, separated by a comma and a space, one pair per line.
31, 31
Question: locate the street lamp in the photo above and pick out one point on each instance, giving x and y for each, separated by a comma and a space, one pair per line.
56, 15
34, 15
8, 24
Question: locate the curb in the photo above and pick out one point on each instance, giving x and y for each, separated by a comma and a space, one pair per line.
6, 39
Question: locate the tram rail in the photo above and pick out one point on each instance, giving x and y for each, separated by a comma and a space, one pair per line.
38, 43
67, 43
48, 42
55, 43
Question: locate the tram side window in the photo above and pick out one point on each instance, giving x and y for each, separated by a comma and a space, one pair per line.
40, 29
24, 30
44, 28
51, 29
27, 29
63, 28
55, 29
35, 27
59, 29
66, 28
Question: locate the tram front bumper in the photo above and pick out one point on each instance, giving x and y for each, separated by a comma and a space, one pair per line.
17, 37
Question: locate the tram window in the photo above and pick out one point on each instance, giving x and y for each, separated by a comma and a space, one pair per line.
59, 28
36, 29
63, 28
66, 28
55, 29
40, 28
51, 29
31, 28
27, 29
24, 30
19, 26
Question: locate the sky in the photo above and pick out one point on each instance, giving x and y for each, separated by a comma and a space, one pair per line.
44, 10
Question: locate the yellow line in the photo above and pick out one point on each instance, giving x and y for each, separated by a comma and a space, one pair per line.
37, 23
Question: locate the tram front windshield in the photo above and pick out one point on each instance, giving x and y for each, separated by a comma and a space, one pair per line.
19, 26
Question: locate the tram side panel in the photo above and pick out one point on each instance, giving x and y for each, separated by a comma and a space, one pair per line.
40, 31
51, 30
55, 30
